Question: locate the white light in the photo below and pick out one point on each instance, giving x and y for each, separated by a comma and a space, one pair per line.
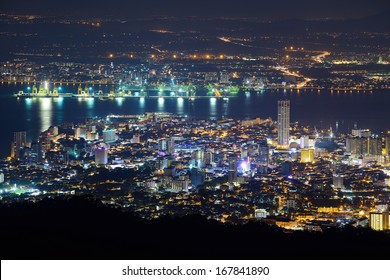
45, 113
119, 101
90, 102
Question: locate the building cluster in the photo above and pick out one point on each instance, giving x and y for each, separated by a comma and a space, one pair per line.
230, 170
182, 75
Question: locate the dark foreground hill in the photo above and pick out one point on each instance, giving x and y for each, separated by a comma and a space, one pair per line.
83, 228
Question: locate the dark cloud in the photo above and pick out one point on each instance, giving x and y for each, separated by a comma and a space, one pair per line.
269, 9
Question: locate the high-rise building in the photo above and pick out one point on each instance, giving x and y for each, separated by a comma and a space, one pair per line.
91, 136
162, 145
1, 178
20, 141
232, 171
180, 184
283, 122
307, 155
167, 145
338, 181
80, 132
387, 145
109, 136
101, 155
91, 128
197, 177
380, 221
263, 158
198, 158
77, 132
37, 152
171, 145
161, 163
361, 132
224, 78
207, 158
307, 142
375, 146
364, 145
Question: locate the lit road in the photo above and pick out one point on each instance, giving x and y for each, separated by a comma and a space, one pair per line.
234, 41
320, 57
157, 49
287, 72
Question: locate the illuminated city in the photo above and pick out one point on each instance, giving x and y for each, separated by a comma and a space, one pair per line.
273, 126
229, 170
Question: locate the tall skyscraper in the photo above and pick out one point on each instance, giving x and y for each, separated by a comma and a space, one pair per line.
232, 172
364, 145
307, 155
37, 152
162, 144
171, 146
338, 181
101, 155
387, 145
380, 221
109, 136
181, 184
283, 122
20, 141
197, 177
263, 158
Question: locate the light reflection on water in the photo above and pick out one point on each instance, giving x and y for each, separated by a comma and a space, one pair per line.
119, 101
160, 104
90, 102
180, 106
142, 103
59, 101
213, 107
45, 113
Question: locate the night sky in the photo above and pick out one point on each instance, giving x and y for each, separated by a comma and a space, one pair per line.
267, 10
